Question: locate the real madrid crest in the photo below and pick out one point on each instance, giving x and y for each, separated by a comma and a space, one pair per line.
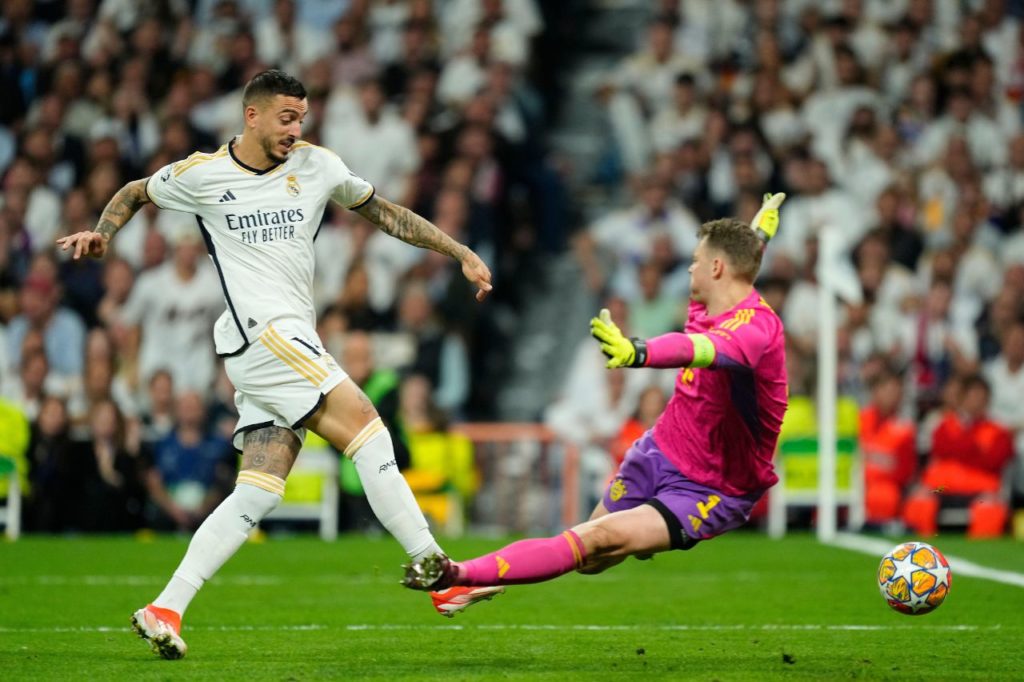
293, 186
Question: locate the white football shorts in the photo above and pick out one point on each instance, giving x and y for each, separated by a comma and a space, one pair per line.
281, 378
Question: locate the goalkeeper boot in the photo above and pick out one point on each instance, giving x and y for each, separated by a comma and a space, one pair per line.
161, 628
431, 573
450, 601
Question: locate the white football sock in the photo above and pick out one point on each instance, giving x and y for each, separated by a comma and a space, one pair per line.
220, 536
387, 491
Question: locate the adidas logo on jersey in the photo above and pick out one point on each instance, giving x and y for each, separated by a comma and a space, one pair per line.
228, 196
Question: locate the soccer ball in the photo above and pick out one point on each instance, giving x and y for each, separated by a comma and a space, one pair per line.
914, 578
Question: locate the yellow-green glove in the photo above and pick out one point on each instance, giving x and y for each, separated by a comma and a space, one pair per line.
621, 352
766, 220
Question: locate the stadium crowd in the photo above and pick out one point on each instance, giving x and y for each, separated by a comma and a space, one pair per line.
110, 384
898, 122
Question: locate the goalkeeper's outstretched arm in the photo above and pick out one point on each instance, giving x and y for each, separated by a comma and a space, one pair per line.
675, 349
669, 350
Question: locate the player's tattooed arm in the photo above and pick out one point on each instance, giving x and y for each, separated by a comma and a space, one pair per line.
122, 207
401, 223
125, 204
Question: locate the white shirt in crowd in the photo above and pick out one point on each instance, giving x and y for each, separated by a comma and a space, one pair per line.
174, 317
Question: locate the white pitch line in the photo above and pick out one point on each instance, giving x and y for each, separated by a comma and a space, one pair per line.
127, 580
767, 627
160, 580
960, 566
213, 628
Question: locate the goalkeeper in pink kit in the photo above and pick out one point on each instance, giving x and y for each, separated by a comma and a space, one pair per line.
700, 469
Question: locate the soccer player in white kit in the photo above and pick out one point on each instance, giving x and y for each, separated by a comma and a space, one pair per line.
258, 201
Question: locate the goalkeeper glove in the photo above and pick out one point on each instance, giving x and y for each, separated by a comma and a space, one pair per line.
621, 352
766, 220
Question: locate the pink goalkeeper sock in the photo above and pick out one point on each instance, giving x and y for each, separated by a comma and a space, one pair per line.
526, 561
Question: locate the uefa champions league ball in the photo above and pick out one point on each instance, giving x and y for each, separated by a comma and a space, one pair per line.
914, 578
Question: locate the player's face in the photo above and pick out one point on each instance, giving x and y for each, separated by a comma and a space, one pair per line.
279, 125
700, 272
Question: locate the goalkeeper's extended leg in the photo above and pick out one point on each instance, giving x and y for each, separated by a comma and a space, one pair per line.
268, 455
349, 421
596, 543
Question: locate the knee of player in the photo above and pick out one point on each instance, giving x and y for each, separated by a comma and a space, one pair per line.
600, 540
262, 492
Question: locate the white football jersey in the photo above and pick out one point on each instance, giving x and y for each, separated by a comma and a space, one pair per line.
259, 227
175, 317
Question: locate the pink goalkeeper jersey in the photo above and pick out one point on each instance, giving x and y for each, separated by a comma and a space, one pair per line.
722, 423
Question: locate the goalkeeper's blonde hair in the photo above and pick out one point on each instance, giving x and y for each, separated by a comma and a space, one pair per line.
740, 245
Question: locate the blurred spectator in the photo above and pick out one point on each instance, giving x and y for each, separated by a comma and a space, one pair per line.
889, 450
984, 140
1005, 374
172, 309
968, 458
378, 144
191, 469
683, 121
820, 203
441, 355
56, 499
650, 405
379, 384
285, 42
434, 451
28, 389
644, 83
656, 311
417, 56
62, 330
465, 75
628, 235
351, 59
157, 414
353, 302
115, 489
934, 344
594, 403
118, 280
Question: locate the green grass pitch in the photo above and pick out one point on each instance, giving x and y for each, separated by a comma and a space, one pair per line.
742, 607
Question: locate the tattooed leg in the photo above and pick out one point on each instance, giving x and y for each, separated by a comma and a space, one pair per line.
268, 455
270, 450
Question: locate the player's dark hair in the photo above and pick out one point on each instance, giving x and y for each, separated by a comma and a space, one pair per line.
738, 242
269, 83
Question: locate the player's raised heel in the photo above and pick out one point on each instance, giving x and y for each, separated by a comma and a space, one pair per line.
435, 572
163, 639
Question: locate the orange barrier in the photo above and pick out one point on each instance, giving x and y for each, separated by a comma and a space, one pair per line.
527, 474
